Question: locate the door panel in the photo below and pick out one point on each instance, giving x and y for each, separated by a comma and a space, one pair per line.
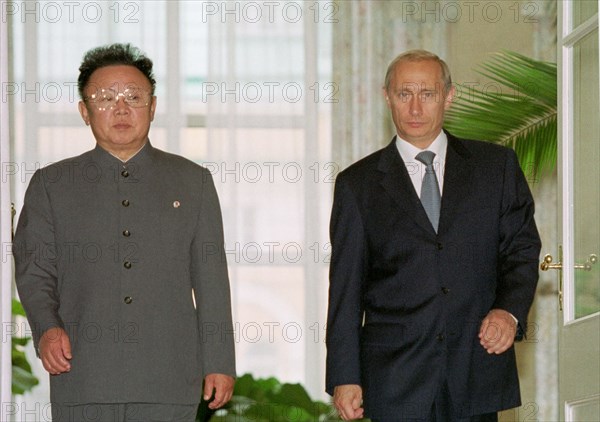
579, 187
582, 11
586, 175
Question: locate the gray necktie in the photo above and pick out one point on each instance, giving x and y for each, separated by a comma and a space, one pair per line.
430, 190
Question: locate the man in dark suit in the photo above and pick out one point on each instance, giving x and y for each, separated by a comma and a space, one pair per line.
434, 265
119, 263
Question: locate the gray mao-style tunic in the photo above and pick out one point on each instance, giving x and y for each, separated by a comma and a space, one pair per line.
129, 259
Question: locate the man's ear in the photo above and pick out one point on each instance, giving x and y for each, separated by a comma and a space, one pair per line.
449, 98
84, 112
386, 96
152, 108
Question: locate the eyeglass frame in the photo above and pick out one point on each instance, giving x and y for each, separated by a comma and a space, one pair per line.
91, 99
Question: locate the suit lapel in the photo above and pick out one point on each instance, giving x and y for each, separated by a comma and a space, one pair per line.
396, 182
457, 173
457, 180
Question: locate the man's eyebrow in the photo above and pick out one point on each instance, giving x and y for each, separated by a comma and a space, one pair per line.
408, 90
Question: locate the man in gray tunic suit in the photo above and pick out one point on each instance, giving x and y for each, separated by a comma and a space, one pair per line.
119, 263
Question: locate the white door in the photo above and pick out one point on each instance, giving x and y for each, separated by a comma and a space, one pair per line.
579, 186
5, 240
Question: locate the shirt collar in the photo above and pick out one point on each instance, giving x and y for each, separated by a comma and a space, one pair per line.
408, 151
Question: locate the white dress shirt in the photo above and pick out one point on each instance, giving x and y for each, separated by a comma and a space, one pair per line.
415, 168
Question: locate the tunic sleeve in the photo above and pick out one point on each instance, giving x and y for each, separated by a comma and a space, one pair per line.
35, 254
211, 285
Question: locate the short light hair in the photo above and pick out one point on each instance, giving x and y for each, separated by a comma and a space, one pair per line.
418, 56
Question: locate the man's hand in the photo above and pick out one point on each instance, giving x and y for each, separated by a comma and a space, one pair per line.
55, 351
222, 385
347, 399
497, 332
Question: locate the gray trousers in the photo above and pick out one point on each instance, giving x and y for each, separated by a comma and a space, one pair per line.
124, 412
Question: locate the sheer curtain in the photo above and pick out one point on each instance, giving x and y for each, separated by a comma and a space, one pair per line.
267, 95
245, 89
370, 34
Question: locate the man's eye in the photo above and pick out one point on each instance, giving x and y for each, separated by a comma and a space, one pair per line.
133, 96
107, 97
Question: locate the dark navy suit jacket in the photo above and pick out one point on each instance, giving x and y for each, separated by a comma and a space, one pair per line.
406, 304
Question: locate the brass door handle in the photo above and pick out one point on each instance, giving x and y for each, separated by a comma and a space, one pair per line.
547, 264
586, 266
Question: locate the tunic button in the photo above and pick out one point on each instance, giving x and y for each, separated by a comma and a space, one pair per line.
440, 246
445, 290
126, 233
128, 299
127, 264
125, 202
125, 173
440, 337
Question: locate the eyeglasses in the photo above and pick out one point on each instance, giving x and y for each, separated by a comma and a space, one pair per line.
106, 98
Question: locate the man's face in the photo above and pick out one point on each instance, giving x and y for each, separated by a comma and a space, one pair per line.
122, 127
417, 100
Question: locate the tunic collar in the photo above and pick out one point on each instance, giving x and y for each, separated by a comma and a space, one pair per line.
103, 156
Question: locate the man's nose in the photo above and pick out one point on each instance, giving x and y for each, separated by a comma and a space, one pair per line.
415, 107
120, 104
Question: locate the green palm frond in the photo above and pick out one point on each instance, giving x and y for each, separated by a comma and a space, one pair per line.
23, 379
516, 109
